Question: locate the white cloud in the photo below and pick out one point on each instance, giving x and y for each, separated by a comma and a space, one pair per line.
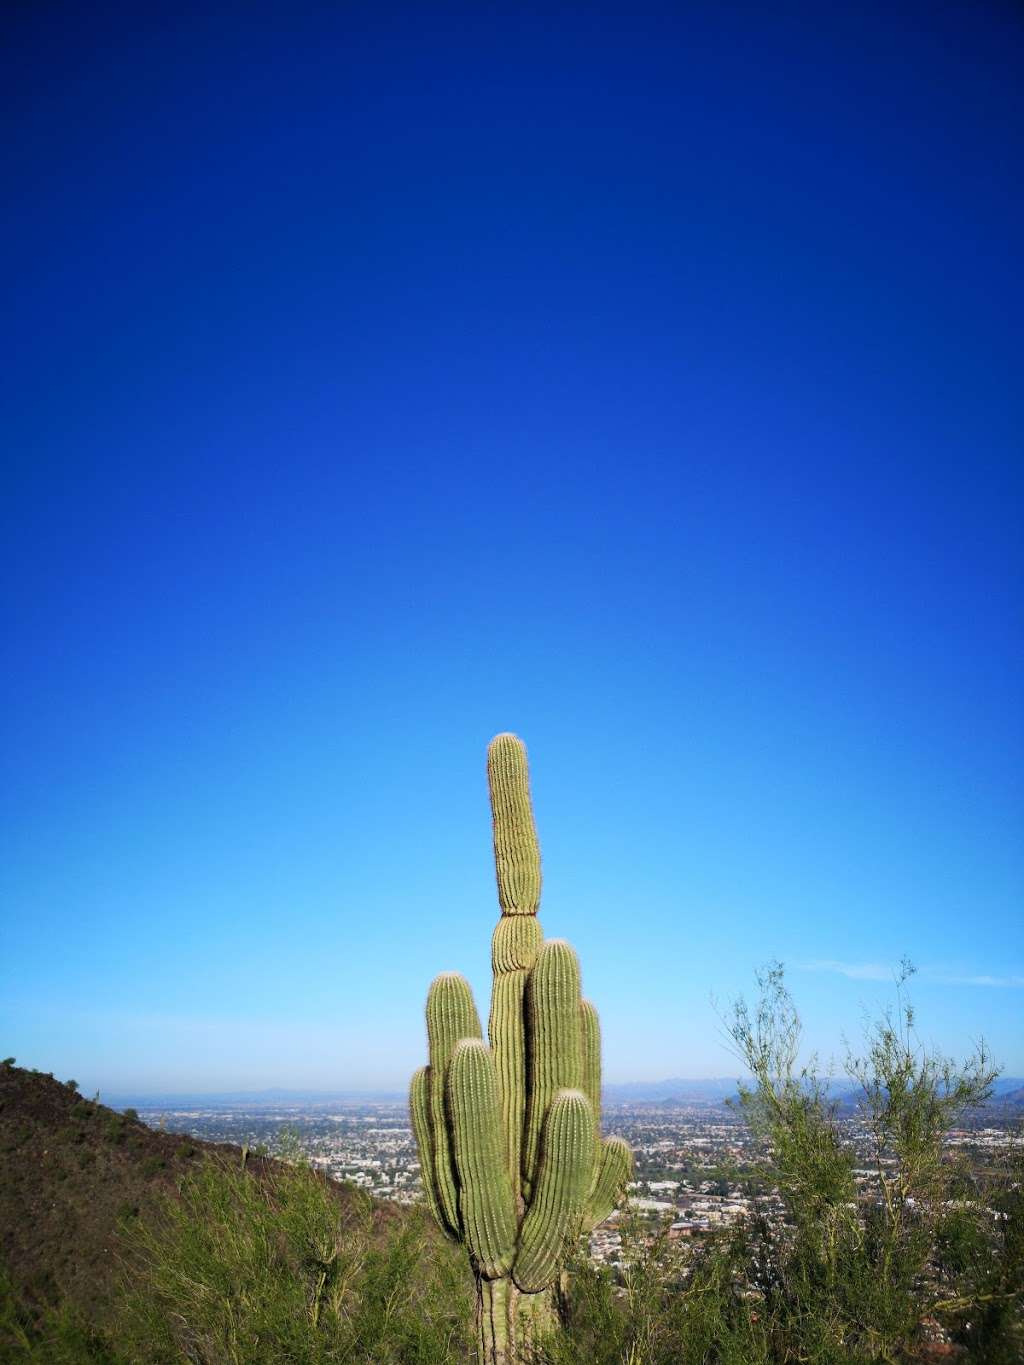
878, 971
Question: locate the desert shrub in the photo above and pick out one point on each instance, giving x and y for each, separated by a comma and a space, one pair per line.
858, 1276
849, 1277
676, 1303
271, 1268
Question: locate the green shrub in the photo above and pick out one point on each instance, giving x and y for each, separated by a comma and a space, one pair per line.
264, 1269
844, 1280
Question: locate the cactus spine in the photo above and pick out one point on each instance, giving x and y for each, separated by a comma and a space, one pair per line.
509, 1135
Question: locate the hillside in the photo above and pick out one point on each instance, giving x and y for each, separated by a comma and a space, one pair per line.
71, 1170
89, 1198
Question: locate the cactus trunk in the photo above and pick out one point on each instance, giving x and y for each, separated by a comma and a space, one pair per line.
511, 1325
509, 1135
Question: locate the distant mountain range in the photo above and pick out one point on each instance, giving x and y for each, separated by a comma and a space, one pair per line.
715, 1091
1008, 1090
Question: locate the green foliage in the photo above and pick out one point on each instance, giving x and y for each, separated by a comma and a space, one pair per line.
268, 1270
674, 1304
980, 1244
855, 1275
852, 1277
261, 1271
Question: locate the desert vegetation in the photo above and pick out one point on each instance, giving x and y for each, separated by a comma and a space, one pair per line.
215, 1256
934, 1270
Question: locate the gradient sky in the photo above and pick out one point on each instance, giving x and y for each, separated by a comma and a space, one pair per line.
380, 378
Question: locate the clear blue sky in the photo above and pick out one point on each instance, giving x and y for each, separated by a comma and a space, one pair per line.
379, 378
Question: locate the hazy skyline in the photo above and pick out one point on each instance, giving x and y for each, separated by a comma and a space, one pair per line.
378, 379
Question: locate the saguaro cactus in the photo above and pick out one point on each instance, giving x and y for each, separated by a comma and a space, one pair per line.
509, 1137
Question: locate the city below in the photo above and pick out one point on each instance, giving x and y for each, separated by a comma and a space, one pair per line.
698, 1167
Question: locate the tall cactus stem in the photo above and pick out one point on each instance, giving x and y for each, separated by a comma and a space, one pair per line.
511, 1326
516, 850
509, 1135
515, 943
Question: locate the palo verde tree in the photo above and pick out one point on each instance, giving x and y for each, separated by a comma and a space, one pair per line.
513, 1162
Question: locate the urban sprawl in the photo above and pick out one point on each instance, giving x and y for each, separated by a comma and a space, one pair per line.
698, 1168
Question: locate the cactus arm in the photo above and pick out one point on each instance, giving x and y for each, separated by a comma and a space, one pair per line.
516, 850
419, 1110
555, 1059
590, 1039
614, 1167
451, 1016
487, 1211
563, 1180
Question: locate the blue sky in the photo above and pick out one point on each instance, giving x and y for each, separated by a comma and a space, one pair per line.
380, 378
